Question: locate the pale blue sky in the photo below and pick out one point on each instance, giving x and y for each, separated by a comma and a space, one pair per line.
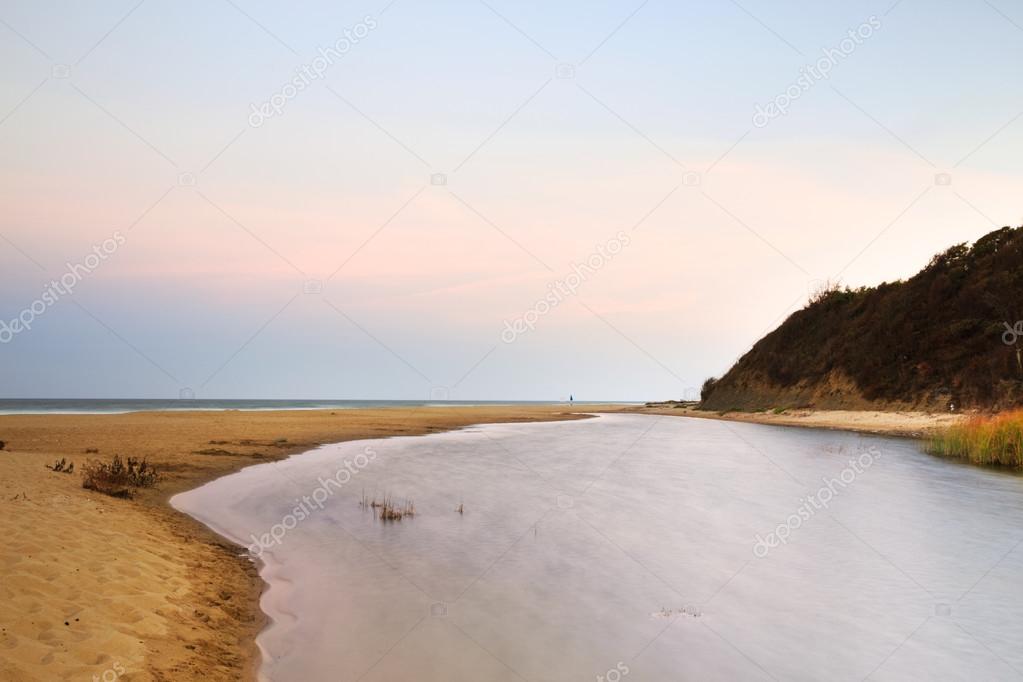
108, 109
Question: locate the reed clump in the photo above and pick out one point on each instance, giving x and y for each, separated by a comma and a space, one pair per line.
993, 440
388, 509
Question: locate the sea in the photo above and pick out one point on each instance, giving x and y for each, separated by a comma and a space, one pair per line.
124, 405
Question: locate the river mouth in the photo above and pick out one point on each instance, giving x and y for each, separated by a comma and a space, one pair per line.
630, 547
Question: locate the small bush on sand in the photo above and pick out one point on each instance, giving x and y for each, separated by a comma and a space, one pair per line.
120, 477
62, 466
996, 440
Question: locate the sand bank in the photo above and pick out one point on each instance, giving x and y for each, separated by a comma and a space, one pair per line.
130, 589
907, 424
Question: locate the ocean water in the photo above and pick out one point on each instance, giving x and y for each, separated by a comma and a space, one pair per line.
631, 547
115, 406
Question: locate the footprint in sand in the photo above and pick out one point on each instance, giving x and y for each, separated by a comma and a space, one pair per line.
126, 614
128, 572
32, 608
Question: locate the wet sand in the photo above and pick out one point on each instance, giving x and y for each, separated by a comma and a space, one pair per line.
132, 589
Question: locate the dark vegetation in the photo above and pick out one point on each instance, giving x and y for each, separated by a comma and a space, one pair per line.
62, 466
119, 478
677, 404
708, 388
943, 339
245, 443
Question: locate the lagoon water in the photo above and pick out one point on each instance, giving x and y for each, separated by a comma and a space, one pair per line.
625, 547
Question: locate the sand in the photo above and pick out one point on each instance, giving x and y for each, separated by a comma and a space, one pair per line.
907, 424
94, 587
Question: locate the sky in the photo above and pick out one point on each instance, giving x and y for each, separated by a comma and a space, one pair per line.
474, 200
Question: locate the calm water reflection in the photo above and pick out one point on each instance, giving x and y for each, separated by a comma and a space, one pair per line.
626, 543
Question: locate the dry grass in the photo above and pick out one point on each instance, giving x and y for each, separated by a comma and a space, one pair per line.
392, 511
995, 440
119, 478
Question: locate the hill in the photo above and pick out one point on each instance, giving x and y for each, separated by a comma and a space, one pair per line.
938, 339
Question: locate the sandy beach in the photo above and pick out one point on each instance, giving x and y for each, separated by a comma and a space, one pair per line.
906, 424
131, 589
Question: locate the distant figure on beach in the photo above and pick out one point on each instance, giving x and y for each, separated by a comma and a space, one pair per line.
571, 398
